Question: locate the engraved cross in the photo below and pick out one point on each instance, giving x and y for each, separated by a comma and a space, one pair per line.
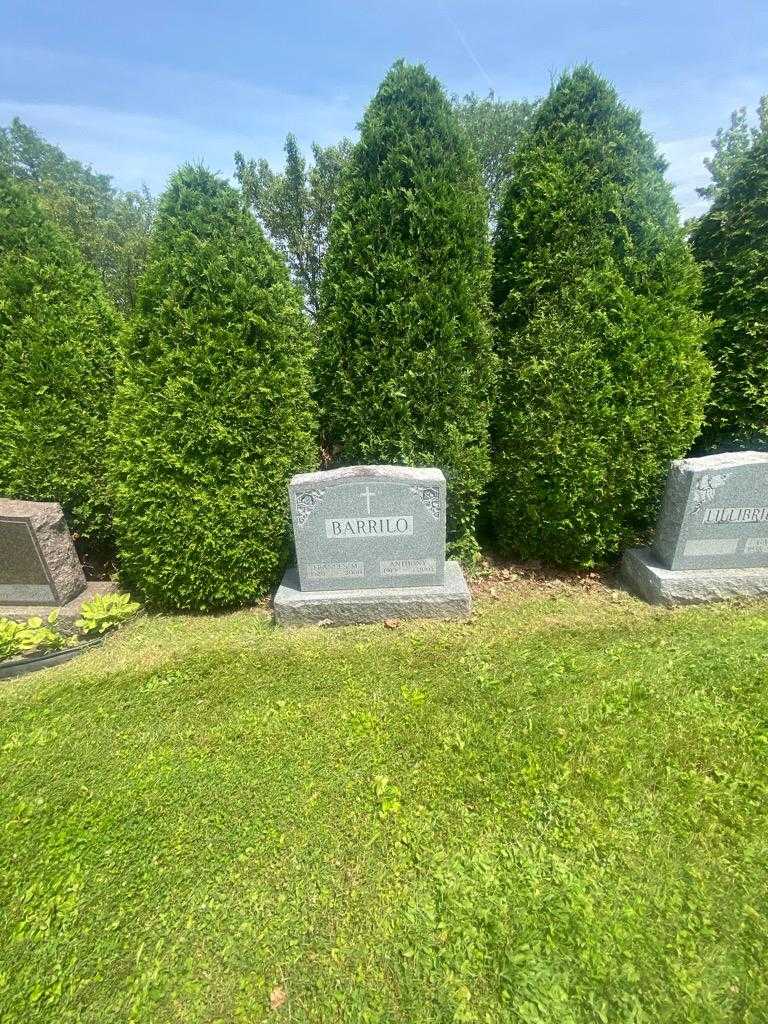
368, 494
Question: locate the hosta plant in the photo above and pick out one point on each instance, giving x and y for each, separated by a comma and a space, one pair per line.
32, 636
105, 611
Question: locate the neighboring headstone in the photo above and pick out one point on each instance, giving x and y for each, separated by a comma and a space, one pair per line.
38, 562
370, 545
711, 540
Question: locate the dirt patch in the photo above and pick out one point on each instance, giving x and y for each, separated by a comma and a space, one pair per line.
496, 576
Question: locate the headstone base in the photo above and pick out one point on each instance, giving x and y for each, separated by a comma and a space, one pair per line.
294, 607
647, 578
67, 612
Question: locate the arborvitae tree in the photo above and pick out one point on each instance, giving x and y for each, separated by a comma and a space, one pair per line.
212, 414
731, 243
602, 377
57, 345
405, 360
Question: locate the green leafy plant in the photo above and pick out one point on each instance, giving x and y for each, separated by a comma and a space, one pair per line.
105, 611
57, 347
413, 695
731, 243
213, 412
386, 797
32, 636
405, 364
101, 613
603, 378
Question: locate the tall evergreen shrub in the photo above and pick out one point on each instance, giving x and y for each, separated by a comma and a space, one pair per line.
731, 243
213, 413
57, 345
405, 361
602, 377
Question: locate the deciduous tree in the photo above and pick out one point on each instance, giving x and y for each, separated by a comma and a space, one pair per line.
295, 207
110, 227
494, 127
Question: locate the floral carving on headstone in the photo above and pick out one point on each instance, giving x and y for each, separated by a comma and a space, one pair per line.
430, 496
306, 503
704, 490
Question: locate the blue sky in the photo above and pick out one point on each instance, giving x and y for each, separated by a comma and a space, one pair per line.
135, 89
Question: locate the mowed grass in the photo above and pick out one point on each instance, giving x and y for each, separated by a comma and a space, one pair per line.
555, 813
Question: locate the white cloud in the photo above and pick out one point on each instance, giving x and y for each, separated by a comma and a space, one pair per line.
134, 148
702, 103
687, 172
196, 115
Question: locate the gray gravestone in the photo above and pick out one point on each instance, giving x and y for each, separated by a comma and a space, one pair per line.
370, 544
38, 562
715, 513
369, 526
711, 539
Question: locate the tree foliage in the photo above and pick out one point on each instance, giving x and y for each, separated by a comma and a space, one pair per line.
731, 243
295, 207
57, 340
405, 362
212, 415
494, 127
729, 146
111, 227
602, 377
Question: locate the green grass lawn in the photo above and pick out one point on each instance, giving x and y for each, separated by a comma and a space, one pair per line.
555, 813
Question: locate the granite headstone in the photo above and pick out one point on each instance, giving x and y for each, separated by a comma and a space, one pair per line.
38, 561
370, 544
369, 526
711, 539
715, 513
